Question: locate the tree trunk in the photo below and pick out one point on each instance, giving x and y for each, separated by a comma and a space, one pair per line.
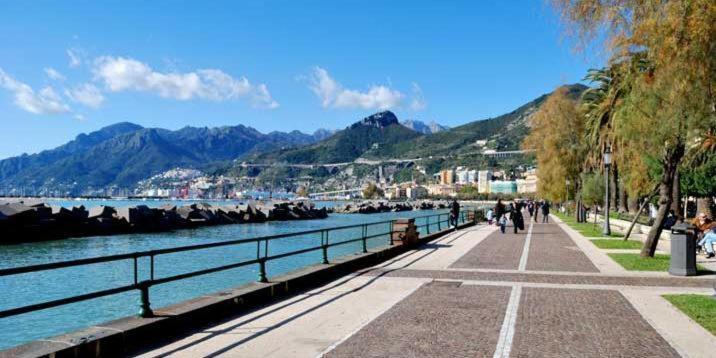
641, 209
623, 206
595, 214
613, 184
670, 165
676, 194
577, 202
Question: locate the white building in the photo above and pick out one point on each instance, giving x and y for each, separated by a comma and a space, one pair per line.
483, 181
416, 192
461, 176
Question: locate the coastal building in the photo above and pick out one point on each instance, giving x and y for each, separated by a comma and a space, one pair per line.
495, 154
472, 176
442, 190
447, 176
529, 183
483, 181
465, 176
526, 186
395, 192
416, 192
503, 186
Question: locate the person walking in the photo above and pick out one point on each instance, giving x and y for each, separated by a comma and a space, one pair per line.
454, 213
502, 222
499, 210
518, 221
531, 207
489, 216
537, 208
545, 211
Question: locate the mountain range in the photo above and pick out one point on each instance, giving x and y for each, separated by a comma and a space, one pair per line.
431, 127
124, 153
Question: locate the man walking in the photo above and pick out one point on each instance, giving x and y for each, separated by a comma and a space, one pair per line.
516, 217
454, 213
545, 211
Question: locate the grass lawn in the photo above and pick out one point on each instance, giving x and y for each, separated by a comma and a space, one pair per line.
700, 308
616, 244
586, 229
634, 262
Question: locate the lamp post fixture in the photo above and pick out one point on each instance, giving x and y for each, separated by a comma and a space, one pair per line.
607, 163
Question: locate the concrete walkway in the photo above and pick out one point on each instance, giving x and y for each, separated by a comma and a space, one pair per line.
544, 292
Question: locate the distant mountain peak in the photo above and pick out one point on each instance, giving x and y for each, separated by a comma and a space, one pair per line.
431, 127
379, 120
322, 133
121, 127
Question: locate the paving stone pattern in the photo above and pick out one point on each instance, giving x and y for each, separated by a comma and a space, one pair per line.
438, 320
497, 251
552, 250
550, 279
583, 323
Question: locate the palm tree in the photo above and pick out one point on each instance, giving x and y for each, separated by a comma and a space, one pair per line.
599, 105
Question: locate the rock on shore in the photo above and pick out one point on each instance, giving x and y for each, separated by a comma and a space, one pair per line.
372, 207
25, 223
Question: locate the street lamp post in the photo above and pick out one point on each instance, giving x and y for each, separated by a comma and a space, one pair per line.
607, 163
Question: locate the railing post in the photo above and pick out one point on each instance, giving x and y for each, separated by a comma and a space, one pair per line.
427, 219
262, 270
365, 233
390, 237
439, 222
324, 243
145, 311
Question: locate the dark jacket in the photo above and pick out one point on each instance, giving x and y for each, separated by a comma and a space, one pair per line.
517, 219
455, 208
545, 208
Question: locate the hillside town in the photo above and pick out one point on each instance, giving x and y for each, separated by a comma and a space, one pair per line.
193, 184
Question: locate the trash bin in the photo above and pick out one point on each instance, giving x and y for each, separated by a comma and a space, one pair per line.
683, 250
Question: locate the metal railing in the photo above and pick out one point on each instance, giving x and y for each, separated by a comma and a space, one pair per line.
262, 257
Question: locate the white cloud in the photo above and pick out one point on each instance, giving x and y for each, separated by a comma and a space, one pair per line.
46, 101
75, 57
332, 94
80, 117
418, 103
86, 94
127, 74
262, 98
54, 74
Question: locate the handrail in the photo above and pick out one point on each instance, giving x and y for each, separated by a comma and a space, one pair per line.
137, 254
261, 259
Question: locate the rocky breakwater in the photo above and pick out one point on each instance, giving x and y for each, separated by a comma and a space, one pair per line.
25, 223
372, 207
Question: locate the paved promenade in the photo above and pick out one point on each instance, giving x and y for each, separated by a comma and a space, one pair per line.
544, 292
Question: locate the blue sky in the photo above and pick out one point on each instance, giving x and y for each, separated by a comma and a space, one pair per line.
73, 67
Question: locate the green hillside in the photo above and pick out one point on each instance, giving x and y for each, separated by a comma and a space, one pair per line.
380, 133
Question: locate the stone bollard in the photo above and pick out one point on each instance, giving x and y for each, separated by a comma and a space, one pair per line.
404, 232
683, 251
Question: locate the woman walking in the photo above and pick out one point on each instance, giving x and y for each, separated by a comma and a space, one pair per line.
518, 221
499, 210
